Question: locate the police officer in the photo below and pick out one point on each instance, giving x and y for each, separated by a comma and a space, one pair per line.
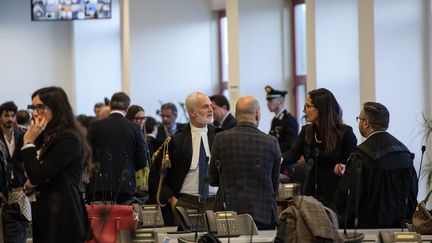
284, 126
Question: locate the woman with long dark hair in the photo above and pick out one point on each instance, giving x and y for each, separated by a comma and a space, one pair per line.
55, 154
326, 141
135, 113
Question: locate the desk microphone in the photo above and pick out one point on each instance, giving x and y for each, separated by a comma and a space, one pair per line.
105, 212
309, 165
354, 237
123, 177
423, 149
316, 153
224, 199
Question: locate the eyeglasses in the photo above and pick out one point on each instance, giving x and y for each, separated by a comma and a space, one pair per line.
40, 108
139, 118
360, 118
307, 106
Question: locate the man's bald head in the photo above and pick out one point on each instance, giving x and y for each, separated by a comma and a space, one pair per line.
248, 110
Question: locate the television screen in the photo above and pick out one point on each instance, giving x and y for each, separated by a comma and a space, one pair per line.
70, 9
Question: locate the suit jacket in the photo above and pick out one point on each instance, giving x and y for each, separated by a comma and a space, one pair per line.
245, 165
15, 163
118, 147
229, 122
57, 175
162, 135
180, 152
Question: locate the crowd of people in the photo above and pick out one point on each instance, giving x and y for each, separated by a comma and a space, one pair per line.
218, 160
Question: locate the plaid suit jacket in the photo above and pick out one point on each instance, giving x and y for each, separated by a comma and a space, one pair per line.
245, 164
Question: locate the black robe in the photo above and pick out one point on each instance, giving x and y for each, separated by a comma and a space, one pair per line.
386, 178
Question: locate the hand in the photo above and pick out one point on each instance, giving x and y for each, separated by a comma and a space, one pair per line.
339, 169
34, 130
173, 202
28, 185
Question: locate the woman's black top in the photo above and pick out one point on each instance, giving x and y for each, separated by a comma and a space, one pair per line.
314, 154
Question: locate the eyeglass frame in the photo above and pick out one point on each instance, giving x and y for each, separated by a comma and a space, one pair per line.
307, 106
140, 118
358, 118
40, 108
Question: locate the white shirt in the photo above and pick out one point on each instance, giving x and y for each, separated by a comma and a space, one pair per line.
191, 181
10, 145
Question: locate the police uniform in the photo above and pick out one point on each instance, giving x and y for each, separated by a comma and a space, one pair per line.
284, 126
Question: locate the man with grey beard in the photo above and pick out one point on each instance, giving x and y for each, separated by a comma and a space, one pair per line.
189, 151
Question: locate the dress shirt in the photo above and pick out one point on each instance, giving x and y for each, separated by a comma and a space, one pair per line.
10, 145
191, 181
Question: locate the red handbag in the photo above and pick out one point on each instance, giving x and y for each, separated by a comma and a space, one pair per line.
108, 220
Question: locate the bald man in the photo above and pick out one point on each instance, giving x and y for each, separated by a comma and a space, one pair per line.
245, 165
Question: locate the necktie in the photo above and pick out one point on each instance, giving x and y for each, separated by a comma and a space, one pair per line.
203, 187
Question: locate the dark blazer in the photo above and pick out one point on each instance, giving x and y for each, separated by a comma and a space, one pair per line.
180, 151
59, 213
118, 146
14, 160
162, 135
229, 122
249, 162
327, 179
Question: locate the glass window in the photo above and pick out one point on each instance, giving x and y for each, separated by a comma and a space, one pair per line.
300, 38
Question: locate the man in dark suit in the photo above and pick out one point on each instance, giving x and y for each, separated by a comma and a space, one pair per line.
189, 151
12, 139
221, 111
245, 165
118, 150
169, 125
284, 126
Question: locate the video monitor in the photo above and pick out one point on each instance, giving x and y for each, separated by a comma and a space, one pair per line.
51, 10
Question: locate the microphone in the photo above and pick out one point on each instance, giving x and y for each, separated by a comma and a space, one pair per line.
353, 237
97, 168
105, 212
316, 153
123, 177
423, 149
309, 165
219, 166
